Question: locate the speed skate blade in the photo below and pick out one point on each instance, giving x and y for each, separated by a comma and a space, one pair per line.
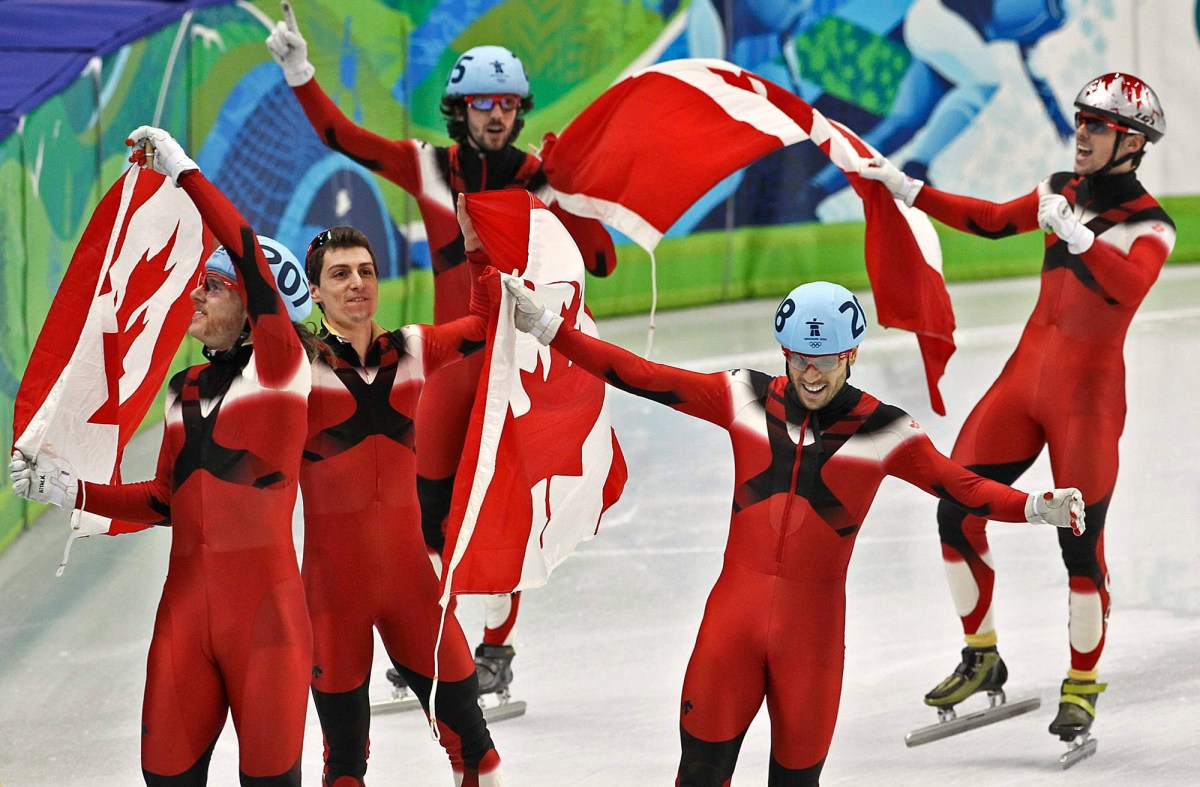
395, 705
502, 711
972, 721
1077, 752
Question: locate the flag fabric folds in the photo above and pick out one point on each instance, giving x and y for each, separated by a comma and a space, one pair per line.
541, 462
684, 125
113, 328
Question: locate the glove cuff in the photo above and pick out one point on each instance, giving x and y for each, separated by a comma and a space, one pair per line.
1080, 239
180, 167
1032, 515
545, 327
298, 74
909, 190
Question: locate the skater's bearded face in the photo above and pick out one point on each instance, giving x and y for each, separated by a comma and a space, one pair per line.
348, 289
219, 314
816, 388
490, 130
1095, 138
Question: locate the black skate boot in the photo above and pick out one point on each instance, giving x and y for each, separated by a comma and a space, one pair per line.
399, 684
981, 669
493, 667
1076, 708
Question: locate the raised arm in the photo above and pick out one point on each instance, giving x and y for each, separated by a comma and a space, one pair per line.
278, 350
394, 160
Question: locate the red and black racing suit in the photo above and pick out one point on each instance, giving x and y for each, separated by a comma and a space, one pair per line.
1063, 387
774, 624
435, 176
365, 562
232, 633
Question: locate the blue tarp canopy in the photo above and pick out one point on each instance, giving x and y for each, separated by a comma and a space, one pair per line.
44, 46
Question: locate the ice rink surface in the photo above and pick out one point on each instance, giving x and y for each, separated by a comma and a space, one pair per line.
601, 650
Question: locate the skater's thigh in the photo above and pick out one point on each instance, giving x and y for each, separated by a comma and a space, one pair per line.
267, 666
725, 680
805, 660
1083, 451
408, 627
184, 707
1001, 428
342, 623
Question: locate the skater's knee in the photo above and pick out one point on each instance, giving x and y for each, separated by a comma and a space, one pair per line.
707, 763
779, 776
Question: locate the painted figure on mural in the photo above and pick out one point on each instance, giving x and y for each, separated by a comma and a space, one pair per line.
486, 98
1064, 386
957, 51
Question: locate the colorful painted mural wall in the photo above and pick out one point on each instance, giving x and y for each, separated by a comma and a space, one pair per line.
973, 95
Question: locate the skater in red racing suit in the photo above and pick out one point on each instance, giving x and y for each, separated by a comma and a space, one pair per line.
487, 96
365, 564
809, 454
1064, 386
232, 633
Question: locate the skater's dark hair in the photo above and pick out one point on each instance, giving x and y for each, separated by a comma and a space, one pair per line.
340, 237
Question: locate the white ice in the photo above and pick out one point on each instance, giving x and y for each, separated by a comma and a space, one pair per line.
602, 649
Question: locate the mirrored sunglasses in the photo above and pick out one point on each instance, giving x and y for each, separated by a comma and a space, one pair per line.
485, 103
1096, 125
822, 363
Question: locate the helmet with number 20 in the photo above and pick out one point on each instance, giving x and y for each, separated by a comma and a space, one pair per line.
289, 275
820, 318
487, 70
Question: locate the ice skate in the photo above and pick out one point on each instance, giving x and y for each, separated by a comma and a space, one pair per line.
981, 669
493, 668
402, 698
1073, 724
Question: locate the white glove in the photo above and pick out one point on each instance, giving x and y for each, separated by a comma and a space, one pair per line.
289, 49
531, 316
155, 148
902, 186
1055, 215
49, 485
1058, 507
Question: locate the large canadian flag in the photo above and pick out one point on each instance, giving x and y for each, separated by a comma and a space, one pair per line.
641, 154
541, 462
114, 325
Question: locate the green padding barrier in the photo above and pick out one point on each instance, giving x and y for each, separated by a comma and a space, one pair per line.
769, 261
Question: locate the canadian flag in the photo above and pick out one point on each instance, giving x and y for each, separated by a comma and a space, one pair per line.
641, 154
114, 325
542, 462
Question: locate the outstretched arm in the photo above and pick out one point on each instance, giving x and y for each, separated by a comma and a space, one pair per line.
702, 395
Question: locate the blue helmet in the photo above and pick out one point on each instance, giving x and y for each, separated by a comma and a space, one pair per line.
820, 318
487, 70
289, 275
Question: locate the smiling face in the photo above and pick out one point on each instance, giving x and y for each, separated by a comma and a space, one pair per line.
1094, 142
815, 388
219, 314
348, 289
